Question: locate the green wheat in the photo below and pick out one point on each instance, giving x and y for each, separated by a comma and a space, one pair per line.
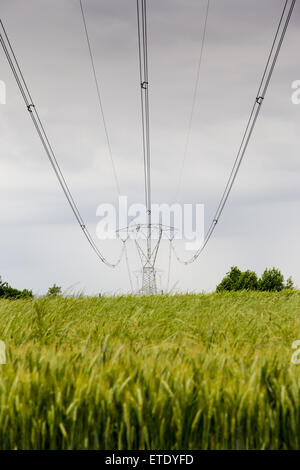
163, 372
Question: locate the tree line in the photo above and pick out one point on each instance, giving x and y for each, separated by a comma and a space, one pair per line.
8, 292
272, 280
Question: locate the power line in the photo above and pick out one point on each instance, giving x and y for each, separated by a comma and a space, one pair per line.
105, 126
150, 255
99, 98
169, 267
262, 90
22, 85
106, 131
128, 268
188, 135
144, 84
148, 271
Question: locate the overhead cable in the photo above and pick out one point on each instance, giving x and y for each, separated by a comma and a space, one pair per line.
259, 98
31, 107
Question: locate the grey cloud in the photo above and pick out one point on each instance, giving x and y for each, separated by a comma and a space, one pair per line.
38, 230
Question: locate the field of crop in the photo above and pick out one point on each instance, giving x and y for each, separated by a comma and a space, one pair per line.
165, 372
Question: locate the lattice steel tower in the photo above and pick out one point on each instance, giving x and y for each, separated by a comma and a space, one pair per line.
148, 264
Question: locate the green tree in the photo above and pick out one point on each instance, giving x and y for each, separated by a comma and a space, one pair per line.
271, 280
54, 291
3, 286
231, 281
248, 280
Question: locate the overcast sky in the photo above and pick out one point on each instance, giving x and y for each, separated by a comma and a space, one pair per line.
260, 227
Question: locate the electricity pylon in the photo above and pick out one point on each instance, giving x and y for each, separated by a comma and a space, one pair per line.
148, 260
140, 234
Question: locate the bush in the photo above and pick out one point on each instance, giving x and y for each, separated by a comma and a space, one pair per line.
289, 283
8, 292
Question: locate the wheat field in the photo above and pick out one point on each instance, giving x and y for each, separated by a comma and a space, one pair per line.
207, 371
